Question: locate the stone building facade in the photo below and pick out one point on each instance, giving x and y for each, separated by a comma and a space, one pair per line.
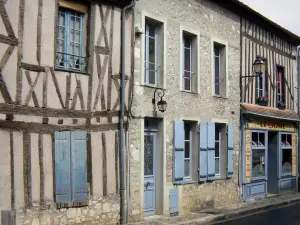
206, 33
59, 110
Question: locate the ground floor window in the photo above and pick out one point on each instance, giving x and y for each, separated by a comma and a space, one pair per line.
258, 154
286, 153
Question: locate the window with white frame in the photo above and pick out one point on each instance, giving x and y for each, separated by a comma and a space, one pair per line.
258, 154
187, 150
261, 85
70, 40
286, 153
219, 67
218, 147
151, 55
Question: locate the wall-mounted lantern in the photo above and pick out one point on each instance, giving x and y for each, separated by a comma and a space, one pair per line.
161, 104
259, 68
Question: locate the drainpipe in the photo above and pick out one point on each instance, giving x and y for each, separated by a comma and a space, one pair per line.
122, 109
298, 107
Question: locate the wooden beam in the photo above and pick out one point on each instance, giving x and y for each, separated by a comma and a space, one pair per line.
50, 112
5, 20
101, 50
39, 31
4, 90
104, 164
8, 40
273, 48
6, 56
33, 68
50, 128
57, 87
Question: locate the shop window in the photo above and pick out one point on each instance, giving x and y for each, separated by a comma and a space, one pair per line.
258, 154
286, 153
70, 39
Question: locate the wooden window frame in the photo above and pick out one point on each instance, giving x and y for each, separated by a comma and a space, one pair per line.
190, 140
284, 148
280, 78
191, 72
258, 147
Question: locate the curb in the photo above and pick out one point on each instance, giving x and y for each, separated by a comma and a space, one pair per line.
240, 212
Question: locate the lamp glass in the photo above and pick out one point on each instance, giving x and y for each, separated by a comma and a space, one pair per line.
259, 66
162, 105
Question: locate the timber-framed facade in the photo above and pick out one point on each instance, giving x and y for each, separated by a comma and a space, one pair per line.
59, 110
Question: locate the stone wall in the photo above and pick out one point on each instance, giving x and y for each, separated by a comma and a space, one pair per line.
99, 211
213, 22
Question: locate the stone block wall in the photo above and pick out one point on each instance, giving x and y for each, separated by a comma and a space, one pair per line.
212, 22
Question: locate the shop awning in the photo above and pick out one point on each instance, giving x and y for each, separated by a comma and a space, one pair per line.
274, 113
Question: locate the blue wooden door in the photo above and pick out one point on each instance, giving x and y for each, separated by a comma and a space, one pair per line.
149, 173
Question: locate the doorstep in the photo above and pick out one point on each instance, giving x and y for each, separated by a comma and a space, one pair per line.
217, 214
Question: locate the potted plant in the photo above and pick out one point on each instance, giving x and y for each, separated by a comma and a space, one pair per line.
280, 105
262, 100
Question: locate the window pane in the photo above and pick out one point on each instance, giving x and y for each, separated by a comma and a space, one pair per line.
187, 74
287, 161
151, 66
151, 77
217, 51
148, 154
283, 140
254, 138
217, 89
151, 30
187, 131
187, 59
289, 140
151, 50
187, 168
187, 149
217, 166
261, 139
258, 162
217, 133
217, 150
187, 84
77, 23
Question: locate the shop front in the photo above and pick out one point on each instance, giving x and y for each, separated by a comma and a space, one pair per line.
269, 156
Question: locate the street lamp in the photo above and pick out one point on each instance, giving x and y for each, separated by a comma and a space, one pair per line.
259, 66
161, 104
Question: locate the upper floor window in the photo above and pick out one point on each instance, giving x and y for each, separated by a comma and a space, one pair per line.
280, 85
220, 69
261, 85
151, 56
70, 40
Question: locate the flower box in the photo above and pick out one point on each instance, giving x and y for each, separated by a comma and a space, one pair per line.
263, 101
281, 105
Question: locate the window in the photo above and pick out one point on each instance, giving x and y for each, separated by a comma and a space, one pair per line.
151, 67
189, 52
261, 84
187, 150
70, 153
220, 70
286, 153
70, 40
280, 85
218, 141
258, 154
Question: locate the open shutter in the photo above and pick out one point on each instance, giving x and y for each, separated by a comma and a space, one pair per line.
62, 167
203, 152
79, 166
230, 151
211, 132
178, 151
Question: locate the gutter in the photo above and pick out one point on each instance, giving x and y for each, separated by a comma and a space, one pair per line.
122, 109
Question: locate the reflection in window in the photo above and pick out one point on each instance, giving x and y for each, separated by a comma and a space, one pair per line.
258, 162
286, 140
286, 160
258, 139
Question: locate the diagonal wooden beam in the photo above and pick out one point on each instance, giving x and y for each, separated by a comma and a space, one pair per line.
5, 19
4, 91
31, 91
57, 87
103, 31
117, 102
80, 94
6, 56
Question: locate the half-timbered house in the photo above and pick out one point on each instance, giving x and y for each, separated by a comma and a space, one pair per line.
269, 105
59, 110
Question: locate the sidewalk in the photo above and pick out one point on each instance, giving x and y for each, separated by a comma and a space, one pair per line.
212, 215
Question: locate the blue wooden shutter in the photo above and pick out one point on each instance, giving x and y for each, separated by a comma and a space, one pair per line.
178, 151
62, 167
230, 151
79, 166
203, 152
211, 143
174, 201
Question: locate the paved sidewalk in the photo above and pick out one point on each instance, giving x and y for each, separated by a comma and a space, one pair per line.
217, 214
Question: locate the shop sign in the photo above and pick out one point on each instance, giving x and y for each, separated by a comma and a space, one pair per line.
294, 155
248, 166
271, 125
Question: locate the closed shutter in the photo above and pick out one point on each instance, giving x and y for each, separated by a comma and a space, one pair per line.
211, 150
174, 201
230, 151
203, 152
62, 167
178, 151
79, 166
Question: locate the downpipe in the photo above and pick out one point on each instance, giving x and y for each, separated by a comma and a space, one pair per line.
122, 109
298, 109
